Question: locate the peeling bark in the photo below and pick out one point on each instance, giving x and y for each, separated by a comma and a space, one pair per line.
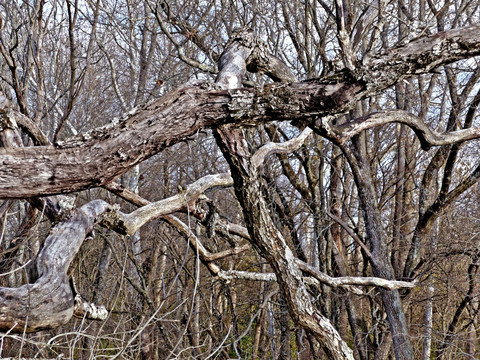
96, 158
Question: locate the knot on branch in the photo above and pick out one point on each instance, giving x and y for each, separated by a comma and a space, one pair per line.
7, 119
112, 219
66, 206
246, 51
88, 310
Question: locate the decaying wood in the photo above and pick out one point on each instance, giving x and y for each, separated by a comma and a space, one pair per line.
95, 158
85, 309
48, 302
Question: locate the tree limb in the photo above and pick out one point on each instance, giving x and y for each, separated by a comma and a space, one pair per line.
94, 159
342, 133
48, 302
130, 223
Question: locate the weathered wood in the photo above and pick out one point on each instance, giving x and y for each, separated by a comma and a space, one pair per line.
96, 158
49, 302
264, 236
342, 133
272, 246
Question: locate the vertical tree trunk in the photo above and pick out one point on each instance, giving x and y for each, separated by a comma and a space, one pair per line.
285, 349
272, 246
427, 340
381, 265
398, 210
340, 257
265, 238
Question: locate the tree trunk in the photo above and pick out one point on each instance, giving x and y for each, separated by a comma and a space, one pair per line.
271, 245
263, 235
381, 265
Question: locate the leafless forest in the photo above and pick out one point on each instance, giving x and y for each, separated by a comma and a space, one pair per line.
290, 179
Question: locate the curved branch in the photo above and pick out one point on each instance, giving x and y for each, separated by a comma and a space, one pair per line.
184, 200
164, 208
272, 147
130, 196
428, 138
48, 302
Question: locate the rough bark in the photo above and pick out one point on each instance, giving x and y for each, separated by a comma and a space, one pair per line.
269, 242
96, 158
263, 234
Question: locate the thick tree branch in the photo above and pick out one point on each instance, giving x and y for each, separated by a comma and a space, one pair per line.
130, 223
94, 159
272, 147
267, 240
49, 301
149, 211
343, 281
420, 56
208, 257
186, 199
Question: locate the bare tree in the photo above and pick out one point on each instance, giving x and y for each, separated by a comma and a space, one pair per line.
332, 191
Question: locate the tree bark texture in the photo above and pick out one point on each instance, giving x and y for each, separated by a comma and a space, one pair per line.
95, 158
48, 302
264, 236
98, 157
271, 245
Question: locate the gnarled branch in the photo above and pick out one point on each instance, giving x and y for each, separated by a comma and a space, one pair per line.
48, 302
94, 159
428, 138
